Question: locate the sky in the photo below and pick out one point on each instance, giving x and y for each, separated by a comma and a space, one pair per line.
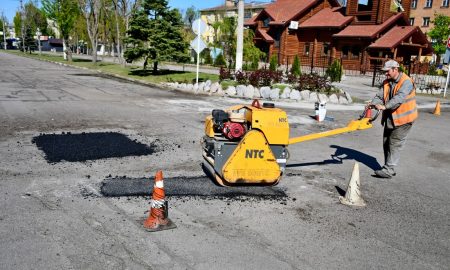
9, 7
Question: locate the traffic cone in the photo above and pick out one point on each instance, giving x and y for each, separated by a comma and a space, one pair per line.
158, 219
437, 109
353, 194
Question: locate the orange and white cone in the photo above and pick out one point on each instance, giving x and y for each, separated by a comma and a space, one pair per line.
158, 219
437, 109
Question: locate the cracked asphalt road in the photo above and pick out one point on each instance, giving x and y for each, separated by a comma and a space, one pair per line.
54, 217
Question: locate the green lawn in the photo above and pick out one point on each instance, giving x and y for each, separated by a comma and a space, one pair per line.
130, 71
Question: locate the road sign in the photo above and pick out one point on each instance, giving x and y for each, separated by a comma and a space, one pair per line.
199, 27
198, 45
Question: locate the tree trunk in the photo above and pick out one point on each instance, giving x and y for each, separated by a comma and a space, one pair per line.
119, 53
64, 49
155, 67
94, 50
67, 51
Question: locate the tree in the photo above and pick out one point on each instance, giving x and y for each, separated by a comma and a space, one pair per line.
90, 9
296, 69
35, 18
226, 38
155, 34
440, 33
64, 13
17, 21
122, 12
3, 22
29, 43
273, 62
251, 53
190, 16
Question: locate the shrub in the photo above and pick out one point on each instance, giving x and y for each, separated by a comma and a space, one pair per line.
206, 56
220, 61
241, 77
314, 82
335, 71
255, 63
273, 62
254, 78
295, 69
277, 76
224, 74
265, 77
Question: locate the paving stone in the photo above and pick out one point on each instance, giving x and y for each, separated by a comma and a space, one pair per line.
305, 94
295, 95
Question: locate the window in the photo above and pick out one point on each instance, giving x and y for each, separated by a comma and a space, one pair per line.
355, 52
266, 22
426, 21
365, 5
306, 49
325, 49
345, 51
411, 21
414, 4
445, 3
276, 38
247, 14
428, 3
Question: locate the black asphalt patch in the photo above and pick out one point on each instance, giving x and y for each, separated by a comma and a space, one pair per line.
200, 186
89, 146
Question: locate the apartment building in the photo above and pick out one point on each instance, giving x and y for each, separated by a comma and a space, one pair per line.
228, 9
422, 12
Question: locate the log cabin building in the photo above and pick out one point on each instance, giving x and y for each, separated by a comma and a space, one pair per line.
321, 30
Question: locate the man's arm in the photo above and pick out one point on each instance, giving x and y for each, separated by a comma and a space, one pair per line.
378, 98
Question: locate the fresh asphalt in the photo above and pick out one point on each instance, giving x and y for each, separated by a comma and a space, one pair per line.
54, 215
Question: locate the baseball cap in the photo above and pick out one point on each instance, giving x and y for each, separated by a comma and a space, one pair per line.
390, 64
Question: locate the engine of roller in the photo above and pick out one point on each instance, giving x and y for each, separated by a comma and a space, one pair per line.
232, 125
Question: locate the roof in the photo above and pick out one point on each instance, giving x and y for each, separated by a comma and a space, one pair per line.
256, 5
282, 11
251, 21
264, 35
329, 18
399, 34
368, 31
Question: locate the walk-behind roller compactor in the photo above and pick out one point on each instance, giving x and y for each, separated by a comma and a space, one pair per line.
247, 145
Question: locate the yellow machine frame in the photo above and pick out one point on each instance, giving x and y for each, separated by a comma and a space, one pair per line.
259, 158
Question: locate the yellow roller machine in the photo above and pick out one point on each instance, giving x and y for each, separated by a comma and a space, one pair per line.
247, 144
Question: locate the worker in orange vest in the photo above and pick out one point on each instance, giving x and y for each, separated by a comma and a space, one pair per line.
397, 101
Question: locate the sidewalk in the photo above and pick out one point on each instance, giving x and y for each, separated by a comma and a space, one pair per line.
357, 86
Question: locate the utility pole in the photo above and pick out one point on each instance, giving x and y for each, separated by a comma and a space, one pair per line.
240, 35
22, 18
4, 32
38, 34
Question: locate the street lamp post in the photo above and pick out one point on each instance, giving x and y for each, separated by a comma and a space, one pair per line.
38, 34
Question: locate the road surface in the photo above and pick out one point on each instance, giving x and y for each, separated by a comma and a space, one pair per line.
54, 216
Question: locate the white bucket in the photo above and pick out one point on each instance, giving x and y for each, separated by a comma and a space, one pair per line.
321, 110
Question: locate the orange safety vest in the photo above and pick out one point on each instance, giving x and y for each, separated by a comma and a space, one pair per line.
407, 111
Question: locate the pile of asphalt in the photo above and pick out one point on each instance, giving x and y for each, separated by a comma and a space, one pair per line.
89, 146
199, 186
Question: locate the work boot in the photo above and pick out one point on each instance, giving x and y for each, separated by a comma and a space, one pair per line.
383, 173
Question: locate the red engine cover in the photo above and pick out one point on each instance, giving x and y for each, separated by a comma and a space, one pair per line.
233, 130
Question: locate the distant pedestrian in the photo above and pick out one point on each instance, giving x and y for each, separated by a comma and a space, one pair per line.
397, 101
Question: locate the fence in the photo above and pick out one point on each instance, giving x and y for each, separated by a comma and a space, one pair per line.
426, 76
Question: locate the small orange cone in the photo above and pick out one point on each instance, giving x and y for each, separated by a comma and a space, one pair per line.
437, 109
158, 219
